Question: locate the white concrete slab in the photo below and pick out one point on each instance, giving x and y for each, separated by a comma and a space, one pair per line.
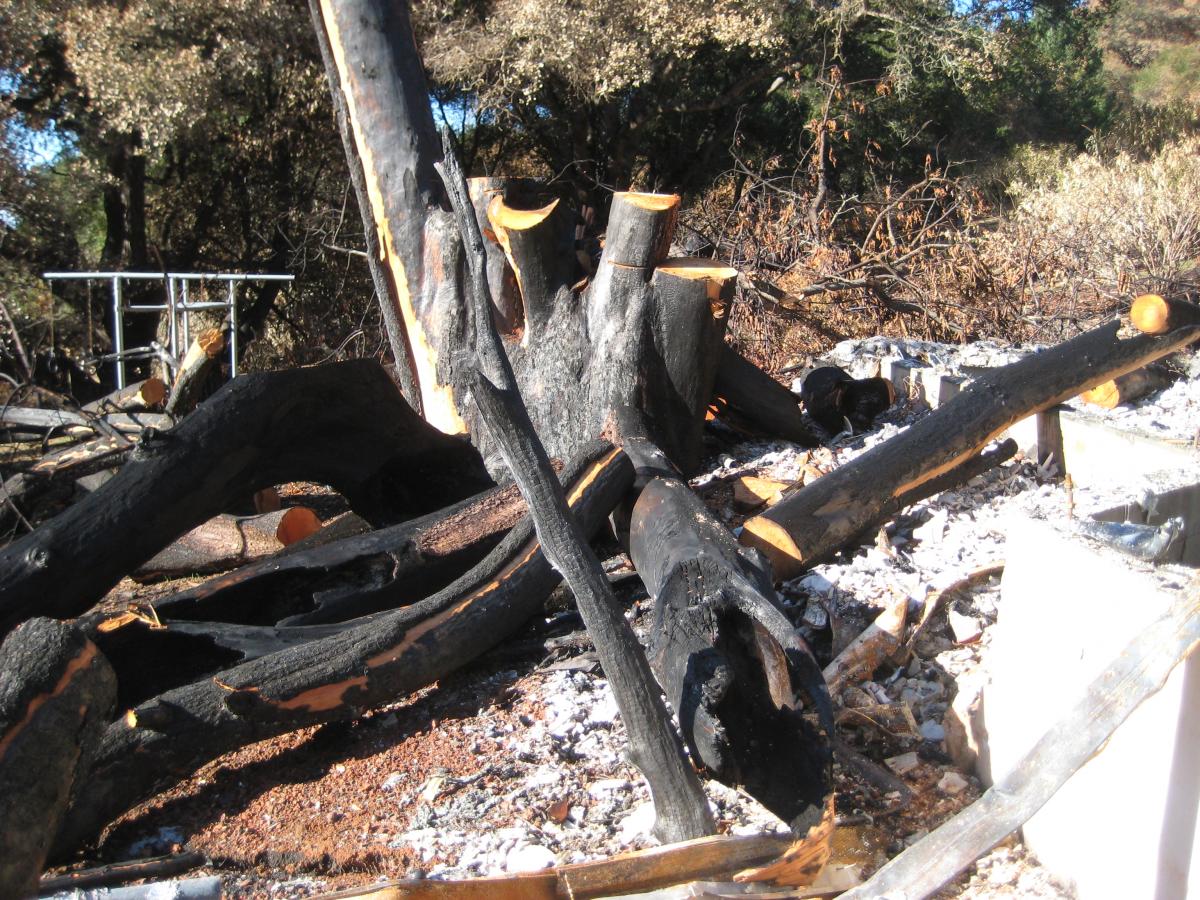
1125, 825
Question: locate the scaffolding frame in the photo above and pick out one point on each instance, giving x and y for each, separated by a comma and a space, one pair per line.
179, 307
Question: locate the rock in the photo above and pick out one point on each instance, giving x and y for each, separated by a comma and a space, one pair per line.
952, 784
932, 731
605, 786
637, 824
966, 734
605, 711
934, 530
815, 615
528, 858
966, 629
904, 763
391, 782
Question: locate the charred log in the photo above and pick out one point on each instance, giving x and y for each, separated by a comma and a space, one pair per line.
56, 697
282, 602
167, 738
833, 398
816, 521
733, 667
762, 400
345, 425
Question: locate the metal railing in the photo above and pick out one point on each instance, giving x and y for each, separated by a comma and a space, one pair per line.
178, 304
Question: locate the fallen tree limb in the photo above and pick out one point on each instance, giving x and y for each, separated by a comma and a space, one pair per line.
761, 399
55, 473
75, 423
357, 575
822, 517
344, 424
1138, 671
141, 395
680, 805
201, 358
642, 870
122, 872
167, 738
880, 640
225, 542
56, 696
289, 600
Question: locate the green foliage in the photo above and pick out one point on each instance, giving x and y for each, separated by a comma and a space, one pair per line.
1152, 50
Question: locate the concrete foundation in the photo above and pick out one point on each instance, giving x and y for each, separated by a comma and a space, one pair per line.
1125, 825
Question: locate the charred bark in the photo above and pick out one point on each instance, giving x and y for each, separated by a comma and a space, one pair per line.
344, 425
760, 399
56, 696
285, 601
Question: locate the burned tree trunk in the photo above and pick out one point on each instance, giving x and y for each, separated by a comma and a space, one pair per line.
646, 328
345, 425
680, 806
56, 696
642, 332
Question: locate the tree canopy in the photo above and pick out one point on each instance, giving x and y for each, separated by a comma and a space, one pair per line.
199, 133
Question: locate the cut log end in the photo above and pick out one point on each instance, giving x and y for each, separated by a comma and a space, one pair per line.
296, 524
503, 216
719, 278
1150, 314
773, 540
1126, 388
647, 201
1154, 314
154, 391
211, 342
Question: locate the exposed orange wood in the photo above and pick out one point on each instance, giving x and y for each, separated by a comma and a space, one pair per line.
76, 665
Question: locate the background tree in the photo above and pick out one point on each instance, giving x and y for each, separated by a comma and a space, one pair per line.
197, 137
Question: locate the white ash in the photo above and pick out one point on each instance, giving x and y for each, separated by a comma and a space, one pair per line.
571, 753
1012, 871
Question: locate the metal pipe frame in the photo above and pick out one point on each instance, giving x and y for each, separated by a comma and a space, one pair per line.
174, 305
